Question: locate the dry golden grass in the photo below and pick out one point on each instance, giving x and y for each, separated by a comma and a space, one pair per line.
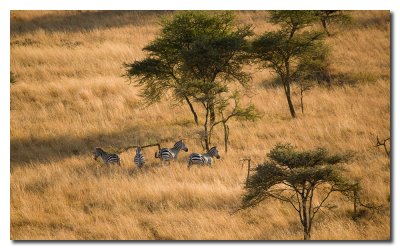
70, 98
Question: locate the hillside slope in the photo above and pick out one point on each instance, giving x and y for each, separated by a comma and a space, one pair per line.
70, 98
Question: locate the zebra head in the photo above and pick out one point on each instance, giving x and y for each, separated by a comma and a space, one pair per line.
98, 152
214, 152
180, 145
138, 150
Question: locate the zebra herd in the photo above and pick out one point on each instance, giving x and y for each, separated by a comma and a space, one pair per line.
166, 155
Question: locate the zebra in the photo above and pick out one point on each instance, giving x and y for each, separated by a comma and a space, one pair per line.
168, 154
203, 159
107, 158
139, 158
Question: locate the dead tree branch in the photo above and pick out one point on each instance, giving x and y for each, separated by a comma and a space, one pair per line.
383, 143
135, 146
248, 168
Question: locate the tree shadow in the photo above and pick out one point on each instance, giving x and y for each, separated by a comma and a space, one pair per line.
82, 21
38, 150
375, 21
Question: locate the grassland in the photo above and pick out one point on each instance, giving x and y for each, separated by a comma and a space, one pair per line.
69, 98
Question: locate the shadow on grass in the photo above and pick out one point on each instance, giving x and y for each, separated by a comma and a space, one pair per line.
84, 21
38, 150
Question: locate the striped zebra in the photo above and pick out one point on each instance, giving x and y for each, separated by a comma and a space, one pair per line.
168, 154
203, 159
107, 158
139, 158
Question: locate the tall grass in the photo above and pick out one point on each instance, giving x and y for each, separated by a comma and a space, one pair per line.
70, 97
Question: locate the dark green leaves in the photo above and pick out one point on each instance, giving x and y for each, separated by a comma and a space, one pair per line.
290, 171
285, 54
154, 75
193, 47
293, 19
286, 155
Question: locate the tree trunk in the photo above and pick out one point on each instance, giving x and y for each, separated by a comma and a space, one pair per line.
323, 21
307, 235
355, 202
289, 99
248, 171
206, 136
226, 136
285, 78
193, 111
301, 98
305, 218
324, 24
212, 113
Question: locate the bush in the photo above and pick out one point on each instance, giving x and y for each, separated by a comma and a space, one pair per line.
13, 78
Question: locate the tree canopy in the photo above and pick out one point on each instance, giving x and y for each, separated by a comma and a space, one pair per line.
193, 47
195, 57
293, 50
298, 177
332, 16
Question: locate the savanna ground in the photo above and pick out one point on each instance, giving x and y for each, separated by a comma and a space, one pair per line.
70, 97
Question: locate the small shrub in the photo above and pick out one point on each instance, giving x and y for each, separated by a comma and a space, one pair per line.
13, 78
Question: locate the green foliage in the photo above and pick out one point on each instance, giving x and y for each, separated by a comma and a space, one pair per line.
296, 168
275, 50
292, 51
314, 64
287, 155
293, 19
195, 57
193, 46
227, 108
296, 177
327, 17
239, 112
151, 71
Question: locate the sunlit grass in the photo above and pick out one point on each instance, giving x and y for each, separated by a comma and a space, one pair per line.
70, 97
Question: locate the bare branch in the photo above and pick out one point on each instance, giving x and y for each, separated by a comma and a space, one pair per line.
126, 149
383, 143
135, 146
152, 145
317, 208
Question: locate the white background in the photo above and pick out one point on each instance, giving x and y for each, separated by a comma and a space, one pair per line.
7, 5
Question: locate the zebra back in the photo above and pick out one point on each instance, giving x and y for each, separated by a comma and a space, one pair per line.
203, 159
139, 157
167, 154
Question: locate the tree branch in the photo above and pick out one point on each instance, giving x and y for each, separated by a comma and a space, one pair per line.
317, 208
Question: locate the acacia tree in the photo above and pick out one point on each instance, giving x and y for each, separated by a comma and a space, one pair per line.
329, 16
303, 179
195, 57
286, 49
312, 68
226, 111
193, 47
